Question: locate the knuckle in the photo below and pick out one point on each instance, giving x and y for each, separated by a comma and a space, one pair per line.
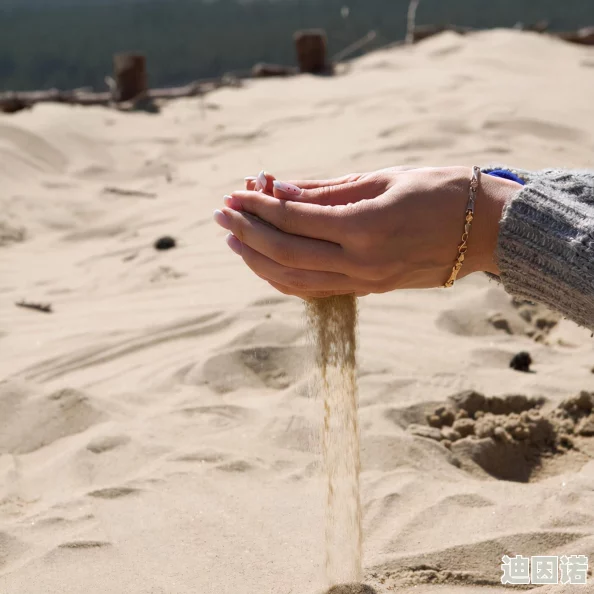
238, 229
322, 194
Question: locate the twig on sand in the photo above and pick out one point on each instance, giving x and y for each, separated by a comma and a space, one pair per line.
131, 193
347, 51
411, 21
43, 307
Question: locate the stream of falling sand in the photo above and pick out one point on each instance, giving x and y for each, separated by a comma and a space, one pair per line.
333, 325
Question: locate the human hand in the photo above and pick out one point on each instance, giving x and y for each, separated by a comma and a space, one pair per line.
365, 233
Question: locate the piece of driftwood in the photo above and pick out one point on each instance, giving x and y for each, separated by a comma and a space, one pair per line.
311, 48
43, 307
263, 70
130, 76
584, 36
11, 102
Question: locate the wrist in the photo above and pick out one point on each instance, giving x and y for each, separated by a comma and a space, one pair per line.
493, 195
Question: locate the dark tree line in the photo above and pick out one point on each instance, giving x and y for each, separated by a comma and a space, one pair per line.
46, 43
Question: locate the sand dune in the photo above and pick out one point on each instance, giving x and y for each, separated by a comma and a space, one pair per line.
156, 433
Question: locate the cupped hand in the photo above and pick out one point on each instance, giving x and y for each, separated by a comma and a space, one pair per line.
364, 233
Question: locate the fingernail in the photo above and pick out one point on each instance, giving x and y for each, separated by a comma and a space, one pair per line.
287, 188
221, 219
262, 179
250, 178
234, 243
232, 202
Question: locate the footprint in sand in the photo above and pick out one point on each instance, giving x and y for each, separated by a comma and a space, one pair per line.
274, 367
263, 357
46, 417
495, 313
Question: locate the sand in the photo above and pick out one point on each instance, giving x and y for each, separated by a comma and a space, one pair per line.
156, 428
332, 324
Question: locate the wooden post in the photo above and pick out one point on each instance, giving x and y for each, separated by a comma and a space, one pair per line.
130, 76
311, 51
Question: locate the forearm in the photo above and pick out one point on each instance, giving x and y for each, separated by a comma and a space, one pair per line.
545, 246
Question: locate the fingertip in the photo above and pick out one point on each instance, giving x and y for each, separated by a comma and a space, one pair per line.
234, 243
285, 191
268, 188
232, 202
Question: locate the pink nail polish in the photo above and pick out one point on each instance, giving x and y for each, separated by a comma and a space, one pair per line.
287, 188
234, 243
221, 219
232, 202
262, 180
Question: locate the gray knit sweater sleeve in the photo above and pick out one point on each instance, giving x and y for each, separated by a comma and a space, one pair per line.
545, 249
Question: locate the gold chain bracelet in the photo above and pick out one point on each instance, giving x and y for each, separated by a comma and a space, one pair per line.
463, 247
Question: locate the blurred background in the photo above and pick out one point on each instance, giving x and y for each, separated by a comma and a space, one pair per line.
69, 43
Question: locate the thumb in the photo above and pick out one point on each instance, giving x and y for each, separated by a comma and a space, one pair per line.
345, 193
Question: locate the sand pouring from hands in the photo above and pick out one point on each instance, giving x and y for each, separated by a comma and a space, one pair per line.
332, 323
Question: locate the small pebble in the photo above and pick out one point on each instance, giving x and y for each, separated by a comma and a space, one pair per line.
521, 362
165, 243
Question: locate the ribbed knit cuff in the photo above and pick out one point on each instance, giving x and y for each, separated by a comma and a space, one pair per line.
545, 249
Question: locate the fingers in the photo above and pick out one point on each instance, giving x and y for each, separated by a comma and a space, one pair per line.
295, 218
347, 192
250, 181
285, 249
310, 184
260, 183
316, 283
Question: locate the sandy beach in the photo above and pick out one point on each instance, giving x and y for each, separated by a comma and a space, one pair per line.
157, 434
